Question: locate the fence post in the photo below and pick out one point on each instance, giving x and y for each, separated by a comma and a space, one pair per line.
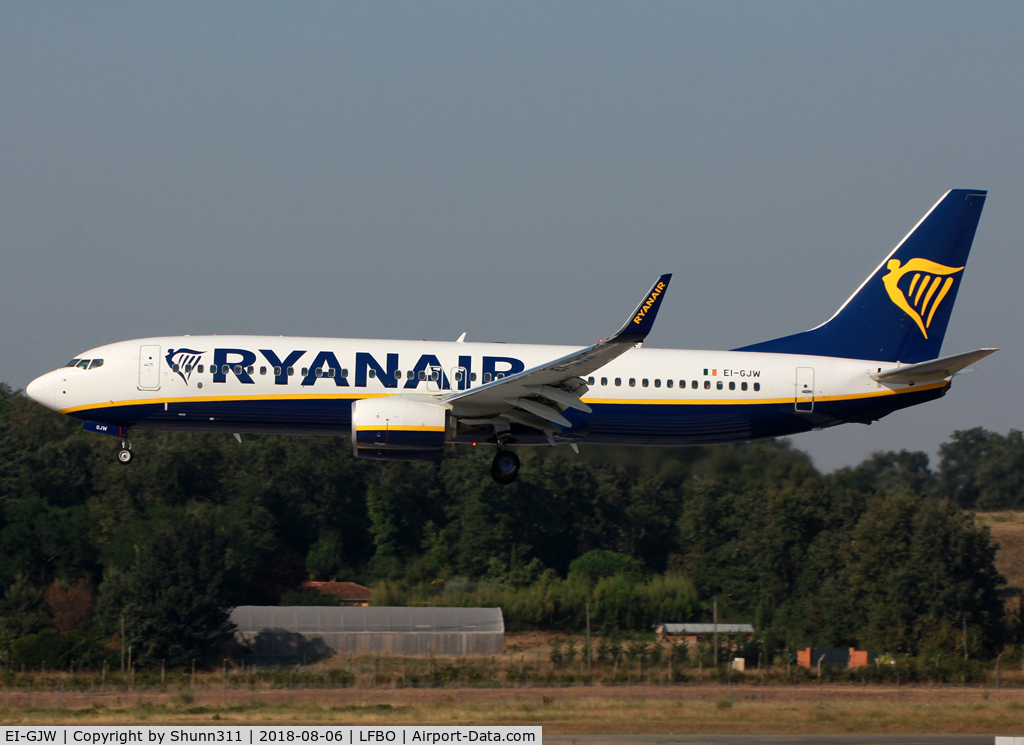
192, 685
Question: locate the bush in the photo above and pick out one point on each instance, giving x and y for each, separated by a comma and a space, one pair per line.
58, 650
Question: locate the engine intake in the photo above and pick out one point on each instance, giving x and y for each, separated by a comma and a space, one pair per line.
400, 428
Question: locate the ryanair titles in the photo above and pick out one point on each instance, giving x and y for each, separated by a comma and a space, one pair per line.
309, 368
649, 303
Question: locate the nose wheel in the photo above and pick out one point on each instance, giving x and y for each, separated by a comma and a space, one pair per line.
124, 455
505, 467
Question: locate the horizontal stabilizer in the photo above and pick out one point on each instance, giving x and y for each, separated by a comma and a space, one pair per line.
932, 370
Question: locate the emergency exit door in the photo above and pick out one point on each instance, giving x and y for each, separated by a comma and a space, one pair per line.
805, 389
149, 367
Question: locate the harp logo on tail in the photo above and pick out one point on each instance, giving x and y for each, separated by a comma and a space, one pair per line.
924, 291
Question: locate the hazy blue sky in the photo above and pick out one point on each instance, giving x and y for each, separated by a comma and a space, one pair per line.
518, 171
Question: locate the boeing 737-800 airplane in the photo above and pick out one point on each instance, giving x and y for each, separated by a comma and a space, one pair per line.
409, 400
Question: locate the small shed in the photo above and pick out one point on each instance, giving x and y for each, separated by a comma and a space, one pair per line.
850, 657
321, 630
692, 632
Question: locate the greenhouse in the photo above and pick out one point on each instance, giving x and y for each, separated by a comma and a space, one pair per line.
320, 630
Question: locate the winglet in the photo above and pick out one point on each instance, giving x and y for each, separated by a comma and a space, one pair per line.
640, 322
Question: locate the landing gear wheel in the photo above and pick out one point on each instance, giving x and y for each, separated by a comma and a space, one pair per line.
505, 467
124, 456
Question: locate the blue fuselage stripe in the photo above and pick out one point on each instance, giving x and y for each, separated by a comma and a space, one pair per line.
626, 423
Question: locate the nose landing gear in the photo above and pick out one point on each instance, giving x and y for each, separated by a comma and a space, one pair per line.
505, 467
124, 455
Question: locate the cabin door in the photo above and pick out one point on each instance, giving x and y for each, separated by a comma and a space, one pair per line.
149, 367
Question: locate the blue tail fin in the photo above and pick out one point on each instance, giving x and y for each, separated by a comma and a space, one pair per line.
901, 311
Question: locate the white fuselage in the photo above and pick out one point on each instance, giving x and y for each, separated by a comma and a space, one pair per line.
645, 396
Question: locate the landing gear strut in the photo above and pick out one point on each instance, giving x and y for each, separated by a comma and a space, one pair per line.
505, 467
124, 455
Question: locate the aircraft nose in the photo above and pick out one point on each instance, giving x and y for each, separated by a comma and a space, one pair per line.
44, 389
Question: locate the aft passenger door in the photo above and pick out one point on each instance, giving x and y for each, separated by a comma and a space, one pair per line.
805, 389
149, 367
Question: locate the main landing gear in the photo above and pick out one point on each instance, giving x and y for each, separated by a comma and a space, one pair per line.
124, 455
505, 466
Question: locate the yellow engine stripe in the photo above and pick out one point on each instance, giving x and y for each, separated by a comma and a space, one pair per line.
398, 428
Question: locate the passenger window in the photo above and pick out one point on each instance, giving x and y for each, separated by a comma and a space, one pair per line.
344, 372
83, 365
590, 380
175, 368
238, 369
458, 376
331, 372
319, 372
668, 383
743, 386
435, 376
487, 377
718, 385
188, 368
422, 375
95, 363
263, 369
200, 369
499, 376
693, 384
732, 386
291, 371
657, 382
398, 375
757, 386
632, 382
73, 363
277, 371
249, 369
707, 385
644, 382
373, 373
305, 372
604, 381
618, 381
472, 377
409, 375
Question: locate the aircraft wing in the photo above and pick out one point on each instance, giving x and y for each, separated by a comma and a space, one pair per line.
536, 397
932, 370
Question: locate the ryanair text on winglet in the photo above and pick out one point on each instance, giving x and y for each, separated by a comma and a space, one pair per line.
650, 301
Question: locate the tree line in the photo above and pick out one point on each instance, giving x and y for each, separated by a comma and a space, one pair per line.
881, 555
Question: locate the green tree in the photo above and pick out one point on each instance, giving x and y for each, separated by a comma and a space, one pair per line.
916, 567
178, 592
984, 470
597, 564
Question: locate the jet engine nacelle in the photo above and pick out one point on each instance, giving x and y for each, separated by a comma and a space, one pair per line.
400, 428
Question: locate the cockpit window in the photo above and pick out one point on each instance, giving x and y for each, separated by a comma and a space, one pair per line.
83, 365
95, 363
73, 363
